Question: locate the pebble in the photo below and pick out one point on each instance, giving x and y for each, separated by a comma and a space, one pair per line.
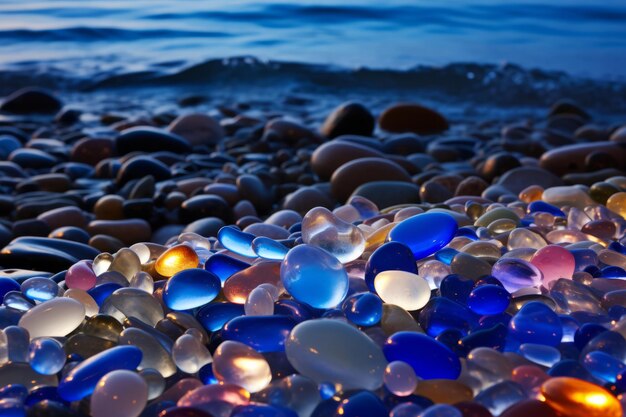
413, 118
197, 129
424, 233
54, 318
348, 119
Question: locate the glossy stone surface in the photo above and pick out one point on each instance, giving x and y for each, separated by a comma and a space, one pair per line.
425, 233
394, 256
323, 229
119, 392
577, 398
239, 364
404, 289
57, 317
190, 288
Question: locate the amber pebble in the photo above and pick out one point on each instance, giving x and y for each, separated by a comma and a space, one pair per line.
103, 326
577, 398
378, 237
531, 193
617, 203
176, 259
444, 391
129, 231
92, 150
601, 191
529, 408
238, 286
396, 319
109, 207
401, 118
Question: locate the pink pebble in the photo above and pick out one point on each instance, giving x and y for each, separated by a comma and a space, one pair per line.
80, 276
554, 262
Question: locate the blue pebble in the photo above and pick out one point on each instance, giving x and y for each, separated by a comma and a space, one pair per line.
620, 382
446, 255
586, 332
540, 354
262, 410
365, 309
571, 368
536, 323
570, 327
603, 366
11, 407
296, 227
267, 248
101, 292
327, 390
425, 233
214, 316
40, 289
613, 272
46, 356
237, 241
456, 288
486, 322
190, 289
13, 391
263, 333
391, 256
206, 375
493, 337
429, 358
362, 404
299, 311
543, 207
81, 380
224, 266
467, 232
584, 258
17, 301
6, 285
442, 313
42, 394
488, 299
452, 339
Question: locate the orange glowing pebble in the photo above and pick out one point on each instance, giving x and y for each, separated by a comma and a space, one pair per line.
176, 259
577, 398
617, 203
379, 236
531, 193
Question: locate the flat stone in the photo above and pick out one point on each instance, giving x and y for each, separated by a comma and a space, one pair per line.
128, 231
47, 254
149, 139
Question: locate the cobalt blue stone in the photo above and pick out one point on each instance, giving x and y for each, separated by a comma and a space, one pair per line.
263, 333
224, 266
237, 241
593, 270
446, 255
586, 332
296, 227
81, 380
206, 375
365, 309
571, 368
362, 404
486, 322
262, 410
13, 391
39, 289
190, 289
543, 207
603, 366
214, 316
391, 256
442, 313
536, 323
620, 382
493, 337
294, 309
617, 247
429, 358
613, 272
47, 356
42, 394
101, 292
456, 288
452, 339
488, 299
6, 285
425, 233
267, 248
488, 280
12, 408
584, 258
467, 232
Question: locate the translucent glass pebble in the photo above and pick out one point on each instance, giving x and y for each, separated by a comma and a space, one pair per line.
121, 393
224, 266
155, 355
390, 256
322, 228
429, 358
404, 289
554, 262
400, 378
80, 276
516, 274
213, 316
190, 354
314, 276
536, 323
216, 398
540, 354
238, 286
441, 410
133, 302
425, 233
237, 241
488, 299
57, 317
176, 259
361, 404
328, 350
259, 302
262, 333
576, 398
82, 379
407, 409
267, 248
40, 289
46, 356
524, 238
363, 309
191, 288
603, 366
239, 364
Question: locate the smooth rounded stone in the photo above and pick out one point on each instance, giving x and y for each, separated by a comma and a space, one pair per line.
284, 218
441, 314
32, 158
396, 319
149, 139
388, 193
91, 307
80, 276
516, 274
155, 382
189, 353
82, 379
500, 396
236, 241
122, 392
567, 196
527, 408
238, 286
404, 289
20, 373
105, 243
577, 398
15, 342
133, 302
140, 166
154, 355
407, 409
176, 259
524, 238
328, 157
109, 207
536, 323
64, 216
198, 129
267, 230
323, 229
313, 276
126, 263
429, 358
488, 299
400, 378
433, 192
262, 333
72, 233
349, 176
348, 119
617, 203
469, 266
239, 364
361, 404
554, 262
363, 309
260, 302
214, 399
39, 289
394, 256
46, 356
44, 253
190, 289
572, 158
406, 117
425, 233
603, 366
540, 354
206, 227
55, 318
444, 391
251, 188
92, 150
201, 206
517, 179
333, 351
128, 231
306, 198
31, 100
496, 214
270, 249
